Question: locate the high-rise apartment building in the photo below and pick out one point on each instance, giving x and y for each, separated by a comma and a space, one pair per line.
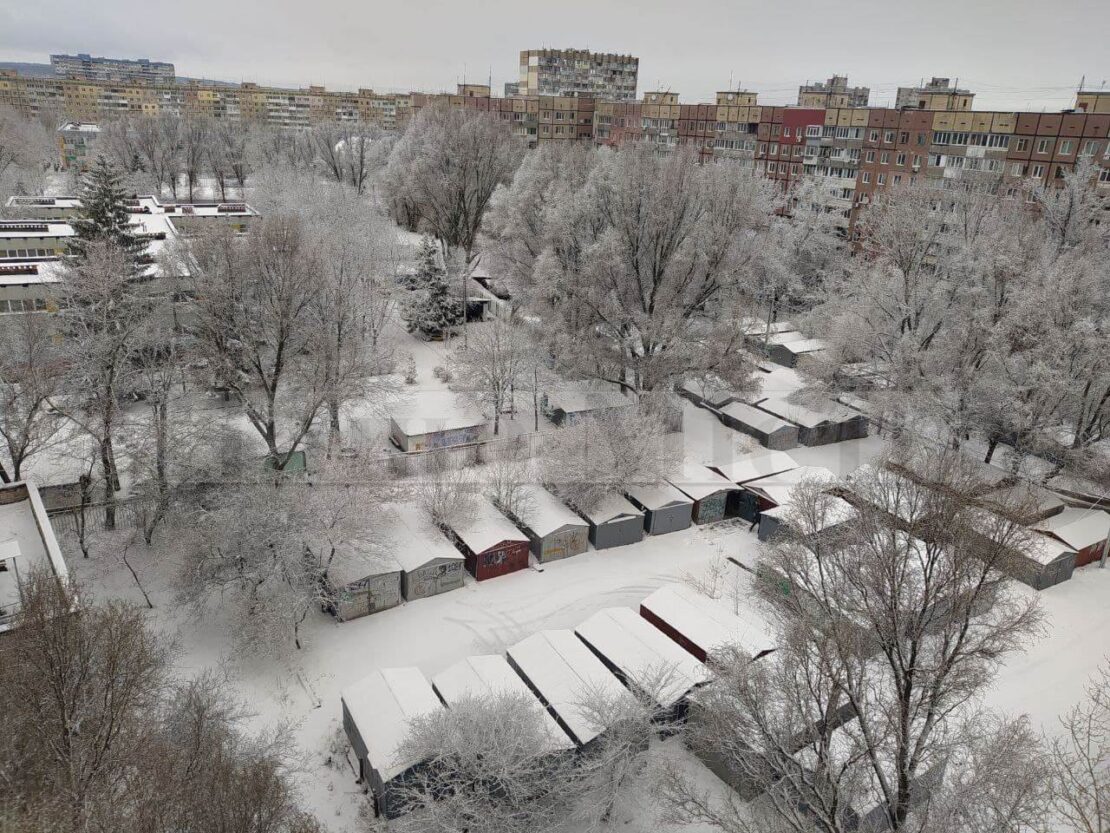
834, 92
578, 72
85, 67
938, 94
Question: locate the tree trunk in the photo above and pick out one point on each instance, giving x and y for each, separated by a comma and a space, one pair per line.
4, 474
107, 466
992, 444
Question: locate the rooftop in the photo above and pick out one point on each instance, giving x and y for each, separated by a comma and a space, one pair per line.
27, 543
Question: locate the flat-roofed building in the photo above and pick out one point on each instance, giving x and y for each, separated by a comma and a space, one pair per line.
27, 545
578, 72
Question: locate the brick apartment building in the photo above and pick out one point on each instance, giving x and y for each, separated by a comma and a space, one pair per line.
833, 93
561, 72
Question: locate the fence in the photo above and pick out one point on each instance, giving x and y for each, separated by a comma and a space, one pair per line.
406, 463
130, 514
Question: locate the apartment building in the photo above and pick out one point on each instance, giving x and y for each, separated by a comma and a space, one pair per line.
85, 67
938, 94
92, 101
562, 72
660, 113
834, 92
76, 142
535, 119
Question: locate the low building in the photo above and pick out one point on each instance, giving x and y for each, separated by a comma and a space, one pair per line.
644, 658
378, 712
759, 495
1038, 560
770, 431
482, 677
569, 403
1024, 503
364, 579
29, 287
490, 543
436, 421
666, 509
27, 545
430, 564
835, 512
1087, 531
76, 142
709, 490
704, 626
614, 522
789, 354
565, 675
818, 424
555, 531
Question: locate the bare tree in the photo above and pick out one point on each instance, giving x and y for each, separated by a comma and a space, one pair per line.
494, 362
30, 370
26, 154
1080, 761
195, 141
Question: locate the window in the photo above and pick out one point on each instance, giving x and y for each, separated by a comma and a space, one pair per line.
1022, 145
775, 129
884, 158
813, 131
762, 149
771, 167
865, 177
888, 136
1090, 147
897, 179
797, 150
1104, 175
870, 156
1043, 145
774, 149
1018, 169
786, 132
874, 136
1038, 171
900, 159
1065, 147
903, 137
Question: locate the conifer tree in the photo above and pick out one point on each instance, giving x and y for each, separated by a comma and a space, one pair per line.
104, 214
427, 266
435, 309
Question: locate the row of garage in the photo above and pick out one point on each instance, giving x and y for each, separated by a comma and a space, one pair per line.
612, 652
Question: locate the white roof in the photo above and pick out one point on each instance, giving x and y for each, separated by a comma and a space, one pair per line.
658, 495
413, 539
35, 228
1078, 528
808, 345
837, 511
484, 526
756, 327
1045, 550
612, 507
490, 674
807, 417
356, 560
38, 272
707, 622
778, 488
907, 496
382, 707
590, 395
567, 675
546, 513
699, 481
754, 417
786, 337
645, 656
26, 536
756, 465
1023, 496
434, 411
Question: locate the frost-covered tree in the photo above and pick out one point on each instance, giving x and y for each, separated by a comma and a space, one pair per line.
498, 357
30, 374
26, 154
104, 214
435, 308
1079, 755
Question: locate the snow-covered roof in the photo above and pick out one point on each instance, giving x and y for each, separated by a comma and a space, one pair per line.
1078, 528
757, 419
433, 411
80, 127
19, 229
778, 488
568, 676
645, 656
786, 337
707, 622
808, 345
586, 395
757, 465
490, 674
756, 327
546, 513
413, 539
807, 416
358, 559
27, 273
382, 707
1045, 550
699, 481
27, 544
657, 495
905, 495
836, 511
611, 508
1023, 497
484, 526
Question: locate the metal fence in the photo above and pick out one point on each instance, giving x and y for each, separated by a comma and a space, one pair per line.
130, 514
406, 463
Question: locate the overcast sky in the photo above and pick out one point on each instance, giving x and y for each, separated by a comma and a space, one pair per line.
1015, 54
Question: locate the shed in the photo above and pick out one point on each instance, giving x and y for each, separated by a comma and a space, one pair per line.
491, 675
643, 657
789, 353
754, 328
835, 513
751, 467
707, 394
614, 522
666, 509
1084, 530
765, 493
555, 531
570, 402
709, 490
818, 424
429, 563
1042, 561
490, 543
1024, 503
364, 579
704, 626
436, 420
377, 713
564, 674
769, 430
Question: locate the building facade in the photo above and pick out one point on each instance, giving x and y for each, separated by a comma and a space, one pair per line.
834, 92
938, 94
560, 72
85, 67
